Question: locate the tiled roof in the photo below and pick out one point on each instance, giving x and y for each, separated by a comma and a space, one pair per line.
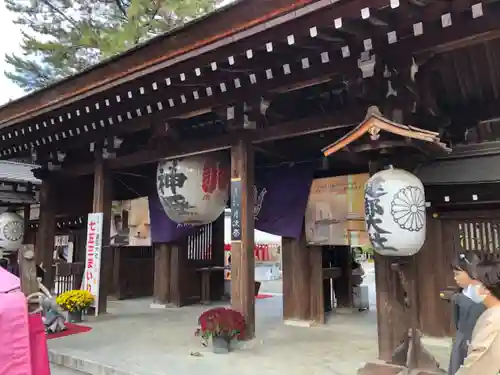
17, 172
17, 198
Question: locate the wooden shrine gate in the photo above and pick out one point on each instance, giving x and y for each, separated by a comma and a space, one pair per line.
449, 234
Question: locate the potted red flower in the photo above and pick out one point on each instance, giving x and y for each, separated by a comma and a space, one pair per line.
222, 325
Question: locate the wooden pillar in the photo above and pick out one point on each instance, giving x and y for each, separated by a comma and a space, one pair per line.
242, 233
217, 278
218, 241
26, 217
302, 281
47, 230
390, 310
117, 290
102, 203
317, 303
27, 273
178, 260
296, 280
161, 289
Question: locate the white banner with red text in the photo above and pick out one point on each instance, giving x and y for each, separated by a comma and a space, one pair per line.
91, 277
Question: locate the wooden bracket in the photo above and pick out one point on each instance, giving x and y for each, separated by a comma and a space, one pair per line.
411, 354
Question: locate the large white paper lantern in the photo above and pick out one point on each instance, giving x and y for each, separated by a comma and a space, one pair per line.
194, 190
395, 212
11, 231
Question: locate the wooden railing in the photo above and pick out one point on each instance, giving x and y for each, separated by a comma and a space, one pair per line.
68, 276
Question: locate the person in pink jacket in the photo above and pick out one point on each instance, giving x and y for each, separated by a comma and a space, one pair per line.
483, 357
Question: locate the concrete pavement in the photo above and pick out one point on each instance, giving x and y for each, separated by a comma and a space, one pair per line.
133, 339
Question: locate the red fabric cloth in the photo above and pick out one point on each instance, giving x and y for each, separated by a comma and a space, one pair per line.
71, 329
38, 344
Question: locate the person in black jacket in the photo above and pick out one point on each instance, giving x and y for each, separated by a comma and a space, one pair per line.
466, 312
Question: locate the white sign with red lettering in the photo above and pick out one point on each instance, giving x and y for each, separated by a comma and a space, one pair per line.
91, 277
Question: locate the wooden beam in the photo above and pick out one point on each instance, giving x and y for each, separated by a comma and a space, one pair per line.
242, 233
297, 128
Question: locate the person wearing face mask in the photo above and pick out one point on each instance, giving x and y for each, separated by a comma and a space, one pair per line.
483, 357
466, 312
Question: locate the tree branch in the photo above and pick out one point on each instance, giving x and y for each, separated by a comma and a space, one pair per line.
121, 7
61, 13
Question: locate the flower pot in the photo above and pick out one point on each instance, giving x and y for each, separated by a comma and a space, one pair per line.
75, 316
220, 344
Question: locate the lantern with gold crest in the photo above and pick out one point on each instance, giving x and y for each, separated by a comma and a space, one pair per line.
194, 190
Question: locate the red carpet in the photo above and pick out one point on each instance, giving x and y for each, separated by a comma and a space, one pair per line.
264, 296
72, 329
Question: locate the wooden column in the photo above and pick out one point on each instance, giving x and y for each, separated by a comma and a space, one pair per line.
27, 273
178, 260
296, 280
117, 288
242, 233
435, 314
161, 288
390, 310
47, 230
302, 281
217, 278
317, 303
102, 203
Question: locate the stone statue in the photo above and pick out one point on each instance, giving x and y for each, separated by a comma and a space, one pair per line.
53, 318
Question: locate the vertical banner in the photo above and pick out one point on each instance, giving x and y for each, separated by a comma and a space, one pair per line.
236, 209
93, 249
280, 199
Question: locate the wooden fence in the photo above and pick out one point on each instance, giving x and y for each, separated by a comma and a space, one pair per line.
69, 276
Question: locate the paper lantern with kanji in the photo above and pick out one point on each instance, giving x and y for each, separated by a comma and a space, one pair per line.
11, 231
194, 190
395, 212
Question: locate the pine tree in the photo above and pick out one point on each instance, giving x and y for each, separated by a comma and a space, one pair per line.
63, 37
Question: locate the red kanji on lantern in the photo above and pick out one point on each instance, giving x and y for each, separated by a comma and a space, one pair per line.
222, 178
209, 182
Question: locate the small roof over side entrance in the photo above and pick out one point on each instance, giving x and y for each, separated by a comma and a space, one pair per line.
17, 183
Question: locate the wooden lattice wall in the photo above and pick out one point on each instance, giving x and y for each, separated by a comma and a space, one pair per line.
481, 236
448, 234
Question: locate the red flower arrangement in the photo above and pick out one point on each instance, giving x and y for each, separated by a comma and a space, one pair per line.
221, 322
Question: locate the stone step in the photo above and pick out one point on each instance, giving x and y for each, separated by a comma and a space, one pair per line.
83, 366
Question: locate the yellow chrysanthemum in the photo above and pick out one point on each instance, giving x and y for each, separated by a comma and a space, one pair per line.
75, 300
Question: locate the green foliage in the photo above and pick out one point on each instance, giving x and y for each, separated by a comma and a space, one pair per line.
63, 37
